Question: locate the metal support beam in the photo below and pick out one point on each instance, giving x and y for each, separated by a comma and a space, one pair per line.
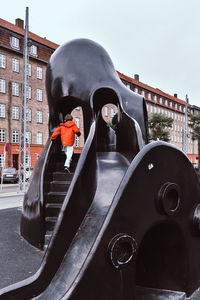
25, 84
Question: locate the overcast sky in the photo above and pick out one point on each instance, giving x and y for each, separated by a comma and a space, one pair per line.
157, 39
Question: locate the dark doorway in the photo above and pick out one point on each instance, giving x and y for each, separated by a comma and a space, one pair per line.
15, 161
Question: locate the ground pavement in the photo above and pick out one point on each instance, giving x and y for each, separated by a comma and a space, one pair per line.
18, 259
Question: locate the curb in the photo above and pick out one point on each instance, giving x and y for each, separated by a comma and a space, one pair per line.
3, 195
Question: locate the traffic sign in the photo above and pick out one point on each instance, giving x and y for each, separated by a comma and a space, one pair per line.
7, 148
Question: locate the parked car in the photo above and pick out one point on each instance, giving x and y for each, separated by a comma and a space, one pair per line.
10, 175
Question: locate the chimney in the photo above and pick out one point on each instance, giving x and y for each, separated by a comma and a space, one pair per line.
136, 77
19, 23
176, 95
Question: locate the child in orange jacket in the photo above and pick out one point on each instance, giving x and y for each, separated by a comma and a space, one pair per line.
67, 132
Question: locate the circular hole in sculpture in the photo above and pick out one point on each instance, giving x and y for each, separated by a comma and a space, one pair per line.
124, 252
172, 196
109, 114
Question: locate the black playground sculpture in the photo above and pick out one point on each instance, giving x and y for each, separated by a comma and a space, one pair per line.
127, 225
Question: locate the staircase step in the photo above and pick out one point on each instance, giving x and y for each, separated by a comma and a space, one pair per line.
52, 209
55, 197
50, 223
62, 176
59, 186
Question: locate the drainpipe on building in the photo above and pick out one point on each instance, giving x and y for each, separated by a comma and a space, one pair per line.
9, 120
185, 135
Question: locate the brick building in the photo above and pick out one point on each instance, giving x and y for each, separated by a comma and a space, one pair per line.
40, 50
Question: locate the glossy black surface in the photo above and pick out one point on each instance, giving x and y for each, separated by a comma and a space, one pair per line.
128, 227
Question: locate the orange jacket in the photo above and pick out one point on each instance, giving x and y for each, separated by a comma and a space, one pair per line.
67, 132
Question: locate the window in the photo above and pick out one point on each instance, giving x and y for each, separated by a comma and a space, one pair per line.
39, 72
39, 95
15, 89
2, 61
29, 70
15, 136
149, 95
39, 138
176, 106
33, 50
77, 141
160, 100
2, 135
15, 65
28, 115
155, 98
2, 160
155, 109
171, 104
128, 85
2, 86
106, 111
77, 121
2, 110
180, 108
29, 93
147, 106
39, 116
15, 112
28, 137
166, 102
14, 42
136, 90
143, 93
112, 112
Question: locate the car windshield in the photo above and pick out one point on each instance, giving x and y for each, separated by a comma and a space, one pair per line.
9, 171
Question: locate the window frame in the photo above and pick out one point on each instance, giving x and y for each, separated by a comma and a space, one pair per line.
15, 65
15, 112
39, 116
2, 135
39, 95
14, 42
2, 61
39, 137
3, 112
15, 136
15, 89
39, 73
2, 86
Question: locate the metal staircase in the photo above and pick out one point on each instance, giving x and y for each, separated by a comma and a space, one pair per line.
57, 183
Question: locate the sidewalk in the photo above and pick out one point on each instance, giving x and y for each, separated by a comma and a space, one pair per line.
18, 259
5, 193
